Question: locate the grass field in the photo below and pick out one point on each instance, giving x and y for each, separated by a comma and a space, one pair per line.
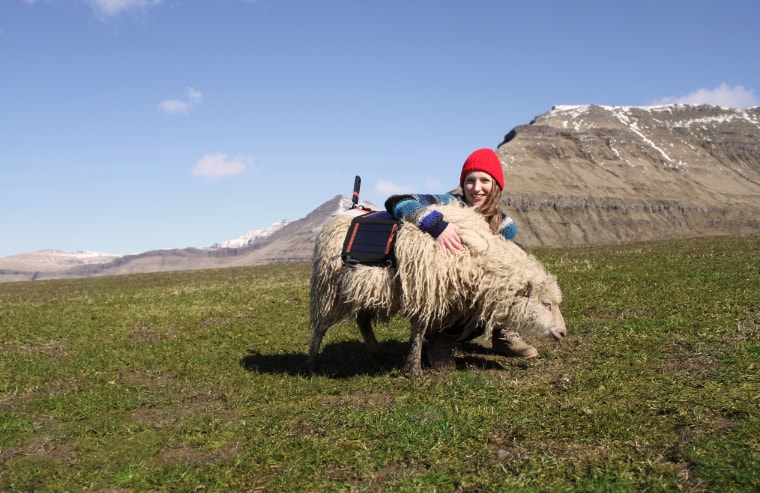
195, 381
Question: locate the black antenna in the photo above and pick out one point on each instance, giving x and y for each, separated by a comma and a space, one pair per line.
357, 186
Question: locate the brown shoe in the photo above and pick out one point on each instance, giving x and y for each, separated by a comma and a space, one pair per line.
511, 344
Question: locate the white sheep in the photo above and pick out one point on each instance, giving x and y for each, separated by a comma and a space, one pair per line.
491, 282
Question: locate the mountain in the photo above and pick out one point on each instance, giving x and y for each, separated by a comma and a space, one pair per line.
250, 237
574, 175
281, 242
22, 267
602, 174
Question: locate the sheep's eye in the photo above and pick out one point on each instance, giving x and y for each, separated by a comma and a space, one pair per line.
547, 304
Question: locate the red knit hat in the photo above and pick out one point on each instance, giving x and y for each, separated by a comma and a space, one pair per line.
483, 160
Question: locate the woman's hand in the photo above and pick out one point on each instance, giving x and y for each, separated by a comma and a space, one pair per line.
449, 239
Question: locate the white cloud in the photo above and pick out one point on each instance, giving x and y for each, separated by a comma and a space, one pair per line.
389, 188
723, 95
174, 107
181, 107
216, 165
193, 96
110, 8
113, 8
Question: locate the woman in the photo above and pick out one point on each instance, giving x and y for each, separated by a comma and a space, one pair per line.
481, 181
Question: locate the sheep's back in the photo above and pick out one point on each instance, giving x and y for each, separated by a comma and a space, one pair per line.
486, 274
339, 291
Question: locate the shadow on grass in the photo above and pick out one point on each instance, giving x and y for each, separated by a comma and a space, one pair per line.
338, 360
351, 358
476, 356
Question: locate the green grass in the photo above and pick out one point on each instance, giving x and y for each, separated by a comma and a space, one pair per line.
196, 381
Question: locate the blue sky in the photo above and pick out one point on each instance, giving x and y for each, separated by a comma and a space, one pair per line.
132, 125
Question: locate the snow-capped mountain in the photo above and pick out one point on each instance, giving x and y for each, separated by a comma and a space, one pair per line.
609, 174
251, 236
283, 241
55, 260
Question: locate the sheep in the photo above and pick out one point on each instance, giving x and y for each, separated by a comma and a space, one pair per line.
491, 282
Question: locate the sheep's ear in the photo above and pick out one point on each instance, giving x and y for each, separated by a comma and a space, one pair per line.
528, 289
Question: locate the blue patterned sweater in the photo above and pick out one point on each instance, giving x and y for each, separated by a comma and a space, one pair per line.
418, 209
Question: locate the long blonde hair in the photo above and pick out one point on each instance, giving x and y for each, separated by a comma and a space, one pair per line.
490, 208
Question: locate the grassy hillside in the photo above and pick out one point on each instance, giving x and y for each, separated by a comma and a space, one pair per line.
196, 381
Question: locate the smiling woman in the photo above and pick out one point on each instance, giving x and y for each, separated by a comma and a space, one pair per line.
482, 180
477, 187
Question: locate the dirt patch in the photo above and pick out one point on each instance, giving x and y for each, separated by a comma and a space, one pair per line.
43, 447
149, 334
55, 350
18, 401
746, 329
683, 359
306, 429
187, 455
178, 414
391, 475
215, 322
360, 400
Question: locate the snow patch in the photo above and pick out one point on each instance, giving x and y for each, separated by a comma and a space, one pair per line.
78, 257
622, 115
251, 236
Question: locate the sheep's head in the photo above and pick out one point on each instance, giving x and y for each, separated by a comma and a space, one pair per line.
536, 310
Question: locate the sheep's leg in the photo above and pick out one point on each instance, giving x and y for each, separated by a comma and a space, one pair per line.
316, 342
364, 321
413, 365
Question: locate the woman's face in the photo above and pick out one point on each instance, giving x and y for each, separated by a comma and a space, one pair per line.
477, 186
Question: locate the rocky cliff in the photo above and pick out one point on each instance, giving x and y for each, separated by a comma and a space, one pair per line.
598, 174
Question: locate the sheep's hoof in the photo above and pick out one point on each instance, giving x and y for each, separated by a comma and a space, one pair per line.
412, 371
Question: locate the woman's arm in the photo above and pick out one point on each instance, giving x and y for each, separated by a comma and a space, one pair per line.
507, 227
418, 210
